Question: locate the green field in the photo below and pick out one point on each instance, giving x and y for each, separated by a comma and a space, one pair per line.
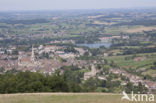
120, 60
63, 98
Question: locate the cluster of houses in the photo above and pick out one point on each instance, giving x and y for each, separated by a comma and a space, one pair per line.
53, 50
63, 41
135, 79
8, 61
31, 60
8, 50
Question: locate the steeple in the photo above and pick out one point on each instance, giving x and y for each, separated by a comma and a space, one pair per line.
32, 55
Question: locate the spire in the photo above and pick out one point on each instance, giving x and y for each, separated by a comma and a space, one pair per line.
32, 55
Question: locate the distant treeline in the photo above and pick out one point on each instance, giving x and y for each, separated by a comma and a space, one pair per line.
130, 43
4, 27
138, 22
139, 50
27, 41
34, 21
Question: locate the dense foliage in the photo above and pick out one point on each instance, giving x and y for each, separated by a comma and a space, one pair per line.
31, 82
70, 81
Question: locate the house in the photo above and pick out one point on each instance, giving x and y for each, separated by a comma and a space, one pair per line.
90, 74
67, 55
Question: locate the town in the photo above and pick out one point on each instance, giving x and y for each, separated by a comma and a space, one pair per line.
95, 52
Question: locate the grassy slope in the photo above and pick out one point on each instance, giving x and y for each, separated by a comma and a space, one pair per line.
62, 98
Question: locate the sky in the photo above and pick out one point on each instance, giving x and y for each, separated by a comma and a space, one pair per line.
6, 5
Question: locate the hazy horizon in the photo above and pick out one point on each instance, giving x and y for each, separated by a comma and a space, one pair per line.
19, 5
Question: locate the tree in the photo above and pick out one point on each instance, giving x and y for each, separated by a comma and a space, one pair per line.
2, 70
129, 87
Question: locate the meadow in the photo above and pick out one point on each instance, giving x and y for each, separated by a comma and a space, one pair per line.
63, 98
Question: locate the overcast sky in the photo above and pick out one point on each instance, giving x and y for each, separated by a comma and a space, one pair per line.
72, 4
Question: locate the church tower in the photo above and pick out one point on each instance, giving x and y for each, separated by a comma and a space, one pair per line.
32, 55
